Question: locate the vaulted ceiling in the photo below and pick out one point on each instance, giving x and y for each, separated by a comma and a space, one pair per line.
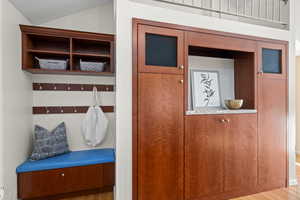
41, 11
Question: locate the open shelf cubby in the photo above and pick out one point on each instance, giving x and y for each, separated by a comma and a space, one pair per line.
236, 71
73, 46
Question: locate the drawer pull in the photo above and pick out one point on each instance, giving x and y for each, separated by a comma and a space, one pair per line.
62, 174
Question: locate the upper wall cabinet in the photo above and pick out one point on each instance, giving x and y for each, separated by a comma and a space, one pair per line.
271, 60
160, 50
57, 51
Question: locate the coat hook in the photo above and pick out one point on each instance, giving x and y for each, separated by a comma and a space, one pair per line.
54, 86
82, 88
47, 111
69, 87
75, 110
61, 109
40, 86
107, 88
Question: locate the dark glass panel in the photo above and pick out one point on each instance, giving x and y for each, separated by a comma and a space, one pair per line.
161, 50
271, 61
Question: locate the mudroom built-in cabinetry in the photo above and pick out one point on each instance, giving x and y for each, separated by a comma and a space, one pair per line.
184, 148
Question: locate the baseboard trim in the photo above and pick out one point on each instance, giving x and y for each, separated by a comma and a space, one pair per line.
293, 182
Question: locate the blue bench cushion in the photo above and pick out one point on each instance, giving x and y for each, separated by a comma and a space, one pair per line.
72, 159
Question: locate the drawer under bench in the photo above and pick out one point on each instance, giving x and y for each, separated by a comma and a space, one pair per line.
66, 181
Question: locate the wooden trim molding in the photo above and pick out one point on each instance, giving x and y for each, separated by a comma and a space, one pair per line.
71, 87
206, 31
135, 111
64, 33
67, 109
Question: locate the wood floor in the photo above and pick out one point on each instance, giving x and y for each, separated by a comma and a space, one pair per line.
102, 196
291, 193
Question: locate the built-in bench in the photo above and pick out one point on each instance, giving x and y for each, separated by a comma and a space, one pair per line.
70, 174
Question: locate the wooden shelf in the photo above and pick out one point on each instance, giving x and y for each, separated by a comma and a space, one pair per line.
67, 72
91, 55
61, 44
48, 52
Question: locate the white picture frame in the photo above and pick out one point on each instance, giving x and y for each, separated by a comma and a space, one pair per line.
205, 89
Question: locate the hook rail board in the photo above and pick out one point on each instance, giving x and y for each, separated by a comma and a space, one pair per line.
71, 87
67, 109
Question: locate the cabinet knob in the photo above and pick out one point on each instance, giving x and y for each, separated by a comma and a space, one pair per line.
62, 174
181, 67
225, 120
181, 81
261, 72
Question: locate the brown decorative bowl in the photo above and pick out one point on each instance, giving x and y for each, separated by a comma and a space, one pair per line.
234, 104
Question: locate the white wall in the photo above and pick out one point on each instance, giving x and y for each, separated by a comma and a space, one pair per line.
125, 10
16, 99
297, 22
297, 19
101, 20
73, 121
1, 116
298, 104
225, 67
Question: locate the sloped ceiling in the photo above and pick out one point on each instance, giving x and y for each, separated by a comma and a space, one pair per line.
41, 11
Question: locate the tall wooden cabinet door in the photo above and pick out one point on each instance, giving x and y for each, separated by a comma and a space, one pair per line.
240, 152
272, 118
203, 156
160, 136
160, 50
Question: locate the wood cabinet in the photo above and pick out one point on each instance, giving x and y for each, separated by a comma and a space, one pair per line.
67, 45
240, 152
220, 155
160, 136
66, 181
211, 156
204, 145
272, 126
160, 50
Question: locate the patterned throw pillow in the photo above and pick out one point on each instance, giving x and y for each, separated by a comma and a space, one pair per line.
47, 144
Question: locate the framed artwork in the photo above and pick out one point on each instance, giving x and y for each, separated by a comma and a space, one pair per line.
205, 89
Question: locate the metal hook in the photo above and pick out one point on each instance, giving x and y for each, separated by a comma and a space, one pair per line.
61, 109
47, 111
81, 87
75, 109
54, 86
40, 86
69, 87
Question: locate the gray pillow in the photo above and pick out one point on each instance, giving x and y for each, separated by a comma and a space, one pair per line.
47, 144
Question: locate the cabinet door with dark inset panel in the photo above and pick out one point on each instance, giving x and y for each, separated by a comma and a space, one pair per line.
160, 50
272, 60
272, 118
160, 136
204, 156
